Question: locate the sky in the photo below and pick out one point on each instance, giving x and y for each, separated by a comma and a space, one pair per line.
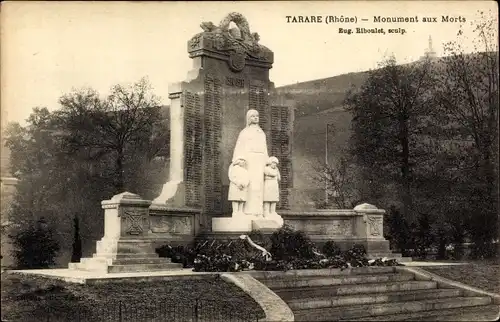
50, 48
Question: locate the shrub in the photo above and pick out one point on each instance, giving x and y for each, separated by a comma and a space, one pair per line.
424, 235
260, 239
287, 243
356, 256
482, 250
331, 249
178, 254
35, 246
399, 230
289, 250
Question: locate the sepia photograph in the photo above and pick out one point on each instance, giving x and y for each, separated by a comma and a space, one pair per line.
220, 161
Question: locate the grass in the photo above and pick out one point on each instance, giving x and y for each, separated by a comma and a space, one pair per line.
25, 298
484, 275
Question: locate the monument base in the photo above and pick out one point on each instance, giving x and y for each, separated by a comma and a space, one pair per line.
265, 225
232, 224
244, 223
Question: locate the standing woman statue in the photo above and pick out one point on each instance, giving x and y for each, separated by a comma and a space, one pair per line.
252, 146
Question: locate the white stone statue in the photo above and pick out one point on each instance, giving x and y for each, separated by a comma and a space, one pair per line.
252, 146
238, 186
271, 187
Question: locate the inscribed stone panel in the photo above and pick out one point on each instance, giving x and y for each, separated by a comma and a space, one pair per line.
192, 148
212, 139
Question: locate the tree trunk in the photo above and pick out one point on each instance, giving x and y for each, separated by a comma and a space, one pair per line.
119, 183
77, 242
405, 167
441, 254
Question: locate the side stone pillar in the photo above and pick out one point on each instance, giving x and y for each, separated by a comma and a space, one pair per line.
126, 216
173, 192
370, 229
127, 245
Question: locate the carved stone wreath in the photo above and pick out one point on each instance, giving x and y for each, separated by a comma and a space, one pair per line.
134, 220
238, 46
374, 223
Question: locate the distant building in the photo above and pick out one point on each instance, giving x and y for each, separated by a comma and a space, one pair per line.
429, 52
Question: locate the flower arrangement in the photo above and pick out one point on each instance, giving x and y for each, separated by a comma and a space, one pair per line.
288, 250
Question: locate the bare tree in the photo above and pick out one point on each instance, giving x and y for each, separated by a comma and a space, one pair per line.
340, 181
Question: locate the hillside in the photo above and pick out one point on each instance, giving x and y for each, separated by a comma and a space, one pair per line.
318, 95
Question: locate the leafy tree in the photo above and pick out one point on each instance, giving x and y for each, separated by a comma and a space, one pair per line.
467, 99
387, 119
67, 160
35, 159
35, 246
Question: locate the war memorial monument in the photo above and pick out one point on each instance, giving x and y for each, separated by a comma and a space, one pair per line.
231, 169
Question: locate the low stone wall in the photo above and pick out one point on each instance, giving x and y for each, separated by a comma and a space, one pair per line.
131, 220
361, 225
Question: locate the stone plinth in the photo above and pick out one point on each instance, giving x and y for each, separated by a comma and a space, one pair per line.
127, 245
243, 224
361, 225
231, 224
265, 225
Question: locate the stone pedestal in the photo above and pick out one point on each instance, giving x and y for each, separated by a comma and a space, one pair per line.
127, 245
265, 225
231, 224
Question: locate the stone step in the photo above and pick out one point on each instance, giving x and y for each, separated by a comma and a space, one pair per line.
97, 266
143, 267
293, 293
397, 256
329, 301
477, 313
368, 310
367, 270
127, 255
471, 313
134, 248
140, 260
381, 255
126, 261
294, 282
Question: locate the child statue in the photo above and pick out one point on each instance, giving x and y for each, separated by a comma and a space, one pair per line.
239, 181
271, 187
